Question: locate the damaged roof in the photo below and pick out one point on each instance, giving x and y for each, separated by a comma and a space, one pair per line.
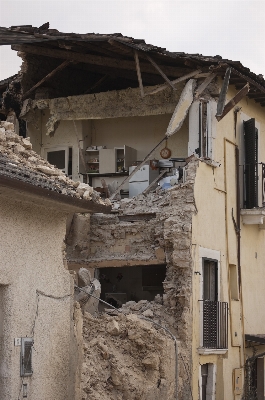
113, 56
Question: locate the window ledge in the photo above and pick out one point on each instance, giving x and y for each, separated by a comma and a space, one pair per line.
254, 216
204, 351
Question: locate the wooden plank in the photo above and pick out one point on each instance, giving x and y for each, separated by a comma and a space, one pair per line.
239, 96
161, 72
204, 84
137, 217
259, 96
97, 84
96, 60
244, 77
223, 93
126, 50
147, 190
46, 78
176, 81
139, 76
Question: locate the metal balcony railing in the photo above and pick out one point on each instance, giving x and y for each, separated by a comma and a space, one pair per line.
215, 324
251, 175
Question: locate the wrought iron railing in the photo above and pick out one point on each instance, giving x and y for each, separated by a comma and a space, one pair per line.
215, 324
250, 176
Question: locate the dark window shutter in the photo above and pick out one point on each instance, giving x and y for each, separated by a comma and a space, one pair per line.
251, 163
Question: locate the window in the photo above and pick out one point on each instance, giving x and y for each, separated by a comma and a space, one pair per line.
210, 280
61, 158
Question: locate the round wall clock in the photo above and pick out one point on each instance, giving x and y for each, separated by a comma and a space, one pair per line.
165, 152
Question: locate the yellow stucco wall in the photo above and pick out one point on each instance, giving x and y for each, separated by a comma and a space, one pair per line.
213, 228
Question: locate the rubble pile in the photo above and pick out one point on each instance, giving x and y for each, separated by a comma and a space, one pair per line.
17, 156
151, 203
126, 357
155, 311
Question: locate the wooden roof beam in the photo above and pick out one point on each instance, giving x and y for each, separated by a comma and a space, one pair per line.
223, 93
228, 107
195, 74
256, 95
96, 60
204, 84
46, 78
170, 84
97, 84
242, 76
139, 76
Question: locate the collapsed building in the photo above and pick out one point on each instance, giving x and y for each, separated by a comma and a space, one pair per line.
180, 257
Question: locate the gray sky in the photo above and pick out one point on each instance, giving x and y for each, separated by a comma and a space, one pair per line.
232, 29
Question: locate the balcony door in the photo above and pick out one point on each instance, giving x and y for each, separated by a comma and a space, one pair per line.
210, 280
215, 313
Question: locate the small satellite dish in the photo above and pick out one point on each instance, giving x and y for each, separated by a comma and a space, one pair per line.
185, 101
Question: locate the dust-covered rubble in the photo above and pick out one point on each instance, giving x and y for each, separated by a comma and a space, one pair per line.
126, 358
18, 160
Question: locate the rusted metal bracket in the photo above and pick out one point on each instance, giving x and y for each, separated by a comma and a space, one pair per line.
222, 96
138, 70
239, 96
47, 77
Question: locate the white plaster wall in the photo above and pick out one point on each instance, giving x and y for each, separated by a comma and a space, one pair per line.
140, 133
65, 135
31, 260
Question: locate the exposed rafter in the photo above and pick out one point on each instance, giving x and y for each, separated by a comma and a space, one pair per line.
46, 78
96, 60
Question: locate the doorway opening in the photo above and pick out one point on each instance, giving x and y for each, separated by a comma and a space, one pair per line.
119, 285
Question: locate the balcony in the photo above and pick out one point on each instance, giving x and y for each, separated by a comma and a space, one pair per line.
252, 177
214, 329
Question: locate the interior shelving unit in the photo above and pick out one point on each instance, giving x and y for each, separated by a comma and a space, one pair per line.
92, 160
108, 161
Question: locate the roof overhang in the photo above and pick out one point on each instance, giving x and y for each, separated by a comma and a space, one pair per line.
255, 338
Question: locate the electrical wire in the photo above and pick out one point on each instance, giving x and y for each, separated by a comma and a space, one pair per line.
38, 293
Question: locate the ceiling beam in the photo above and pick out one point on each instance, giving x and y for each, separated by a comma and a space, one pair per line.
222, 97
96, 60
228, 107
46, 78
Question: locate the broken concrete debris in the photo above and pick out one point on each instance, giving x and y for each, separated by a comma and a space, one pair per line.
126, 358
17, 151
